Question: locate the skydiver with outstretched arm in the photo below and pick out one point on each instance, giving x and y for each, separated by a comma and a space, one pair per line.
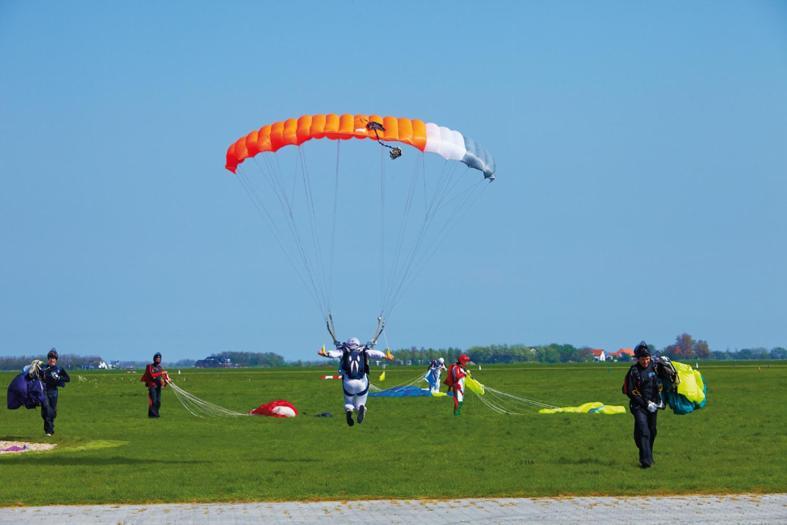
354, 366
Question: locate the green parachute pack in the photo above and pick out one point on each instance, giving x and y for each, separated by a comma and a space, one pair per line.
688, 392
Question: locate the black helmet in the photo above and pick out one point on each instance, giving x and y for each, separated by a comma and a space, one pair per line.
157, 354
642, 350
52, 353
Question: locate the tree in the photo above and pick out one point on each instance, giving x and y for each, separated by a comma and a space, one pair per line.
778, 353
682, 349
701, 349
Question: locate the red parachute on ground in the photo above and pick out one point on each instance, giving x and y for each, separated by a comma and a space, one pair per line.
279, 408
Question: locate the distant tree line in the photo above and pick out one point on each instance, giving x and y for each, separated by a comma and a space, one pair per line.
552, 353
66, 361
684, 348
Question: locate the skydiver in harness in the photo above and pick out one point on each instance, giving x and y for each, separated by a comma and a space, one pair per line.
455, 379
432, 376
354, 366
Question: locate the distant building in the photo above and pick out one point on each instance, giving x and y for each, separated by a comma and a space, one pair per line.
215, 362
623, 354
210, 362
598, 354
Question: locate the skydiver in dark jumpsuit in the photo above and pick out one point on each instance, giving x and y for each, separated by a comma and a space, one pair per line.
53, 377
643, 388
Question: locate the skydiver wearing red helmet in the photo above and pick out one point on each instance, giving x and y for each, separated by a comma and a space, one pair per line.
455, 379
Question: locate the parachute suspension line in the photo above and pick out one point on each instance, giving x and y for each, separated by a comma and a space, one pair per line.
313, 226
287, 211
309, 258
264, 213
399, 269
289, 215
468, 197
524, 400
406, 213
508, 404
429, 215
382, 235
332, 252
199, 407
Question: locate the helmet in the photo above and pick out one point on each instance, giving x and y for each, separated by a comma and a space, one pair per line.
157, 354
464, 358
353, 342
52, 354
441, 361
642, 350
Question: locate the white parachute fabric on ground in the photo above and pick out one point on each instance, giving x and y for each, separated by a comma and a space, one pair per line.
199, 407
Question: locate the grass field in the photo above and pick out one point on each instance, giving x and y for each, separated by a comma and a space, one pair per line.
110, 452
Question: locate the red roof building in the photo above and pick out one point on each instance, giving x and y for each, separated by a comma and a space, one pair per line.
623, 351
598, 354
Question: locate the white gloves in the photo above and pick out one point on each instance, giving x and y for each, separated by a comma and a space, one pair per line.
652, 407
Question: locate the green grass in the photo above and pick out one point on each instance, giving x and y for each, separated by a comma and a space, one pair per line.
110, 452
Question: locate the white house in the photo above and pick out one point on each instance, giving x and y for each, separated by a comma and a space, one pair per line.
598, 354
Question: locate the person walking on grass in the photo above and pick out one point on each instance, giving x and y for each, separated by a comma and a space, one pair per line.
155, 377
643, 388
53, 377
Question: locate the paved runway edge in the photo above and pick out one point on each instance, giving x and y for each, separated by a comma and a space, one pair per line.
764, 508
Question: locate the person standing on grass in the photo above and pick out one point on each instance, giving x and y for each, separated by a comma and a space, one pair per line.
53, 377
433, 373
455, 379
643, 388
154, 378
354, 366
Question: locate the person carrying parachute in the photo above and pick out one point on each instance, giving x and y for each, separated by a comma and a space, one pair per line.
433, 373
455, 380
155, 377
643, 388
354, 366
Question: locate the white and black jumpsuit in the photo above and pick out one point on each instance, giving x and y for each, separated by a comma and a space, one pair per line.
354, 366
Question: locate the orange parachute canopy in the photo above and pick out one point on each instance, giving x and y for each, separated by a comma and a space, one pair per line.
428, 137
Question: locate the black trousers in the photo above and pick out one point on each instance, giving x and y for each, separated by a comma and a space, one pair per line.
154, 401
49, 411
644, 433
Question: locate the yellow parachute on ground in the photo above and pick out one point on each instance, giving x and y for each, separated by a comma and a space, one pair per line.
594, 407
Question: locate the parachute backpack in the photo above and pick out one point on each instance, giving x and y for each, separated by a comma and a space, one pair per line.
688, 393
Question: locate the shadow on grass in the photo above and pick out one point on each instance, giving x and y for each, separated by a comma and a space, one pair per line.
291, 460
14, 438
50, 460
585, 461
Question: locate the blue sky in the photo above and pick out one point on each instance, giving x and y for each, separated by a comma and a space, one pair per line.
641, 153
